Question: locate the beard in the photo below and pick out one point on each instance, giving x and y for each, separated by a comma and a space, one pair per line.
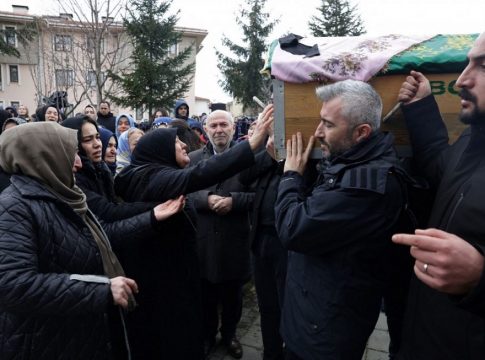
336, 149
476, 116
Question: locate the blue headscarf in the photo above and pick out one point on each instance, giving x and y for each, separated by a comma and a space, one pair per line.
130, 120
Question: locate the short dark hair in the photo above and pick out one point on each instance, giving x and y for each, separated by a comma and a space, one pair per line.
104, 102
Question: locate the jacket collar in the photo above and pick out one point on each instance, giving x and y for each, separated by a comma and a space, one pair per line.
31, 188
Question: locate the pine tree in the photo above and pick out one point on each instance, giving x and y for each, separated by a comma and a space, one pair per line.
242, 77
158, 78
337, 18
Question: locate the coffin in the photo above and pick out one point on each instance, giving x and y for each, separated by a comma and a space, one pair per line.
441, 58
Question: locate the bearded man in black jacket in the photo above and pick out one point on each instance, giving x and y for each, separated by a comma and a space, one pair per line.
339, 236
446, 307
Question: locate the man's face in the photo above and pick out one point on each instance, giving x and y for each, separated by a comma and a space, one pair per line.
104, 109
183, 110
333, 132
472, 85
220, 131
91, 142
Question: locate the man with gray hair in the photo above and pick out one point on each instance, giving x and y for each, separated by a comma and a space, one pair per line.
339, 231
222, 239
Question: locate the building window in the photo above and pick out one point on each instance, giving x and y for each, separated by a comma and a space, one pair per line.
91, 44
64, 77
173, 50
2, 104
91, 78
1, 79
63, 42
15, 104
10, 36
14, 73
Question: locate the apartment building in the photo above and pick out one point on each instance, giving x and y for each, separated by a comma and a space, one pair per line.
63, 57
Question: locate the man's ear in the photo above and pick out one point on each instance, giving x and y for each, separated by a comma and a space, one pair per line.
362, 132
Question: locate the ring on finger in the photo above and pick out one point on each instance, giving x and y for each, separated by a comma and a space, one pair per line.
425, 268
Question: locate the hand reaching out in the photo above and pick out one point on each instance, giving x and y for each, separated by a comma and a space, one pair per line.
168, 208
262, 128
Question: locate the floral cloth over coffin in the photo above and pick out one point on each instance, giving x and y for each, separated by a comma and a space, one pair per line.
340, 58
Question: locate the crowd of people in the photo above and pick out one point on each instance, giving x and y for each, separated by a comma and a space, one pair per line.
118, 242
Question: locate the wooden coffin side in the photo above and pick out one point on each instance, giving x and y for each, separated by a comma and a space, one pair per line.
297, 109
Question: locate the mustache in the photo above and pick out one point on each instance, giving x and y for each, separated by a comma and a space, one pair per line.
466, 95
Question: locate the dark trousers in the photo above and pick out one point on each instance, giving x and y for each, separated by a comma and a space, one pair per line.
269, 268
229, 296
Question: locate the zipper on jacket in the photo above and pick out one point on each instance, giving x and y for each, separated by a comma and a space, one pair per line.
460, 199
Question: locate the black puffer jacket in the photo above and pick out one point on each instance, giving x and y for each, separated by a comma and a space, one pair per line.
43, 313
96, 182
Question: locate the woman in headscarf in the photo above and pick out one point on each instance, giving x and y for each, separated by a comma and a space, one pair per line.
167, 324
90, 111
11, 122
109, 148
47, 113
126, 144
62, 285
95, 178
123, 123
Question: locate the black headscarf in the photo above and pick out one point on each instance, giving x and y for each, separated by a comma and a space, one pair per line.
156, 147
105, 135
77, 123
40, 112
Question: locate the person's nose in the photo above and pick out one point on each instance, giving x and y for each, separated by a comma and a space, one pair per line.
465, 80
319, 132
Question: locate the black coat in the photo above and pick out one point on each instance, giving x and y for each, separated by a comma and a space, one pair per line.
222, 240
108, 121
96, 182
168, 321
438, 326
44, 314
339, 239
263, 178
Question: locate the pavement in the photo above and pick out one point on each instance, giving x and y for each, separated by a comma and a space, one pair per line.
249, 333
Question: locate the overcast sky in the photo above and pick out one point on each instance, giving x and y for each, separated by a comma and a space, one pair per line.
379, 17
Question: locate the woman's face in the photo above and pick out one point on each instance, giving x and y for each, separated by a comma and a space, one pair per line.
133, 140
89, 111
51, 114
181, 156
91, 142
123, 125
23, 111
110, 155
